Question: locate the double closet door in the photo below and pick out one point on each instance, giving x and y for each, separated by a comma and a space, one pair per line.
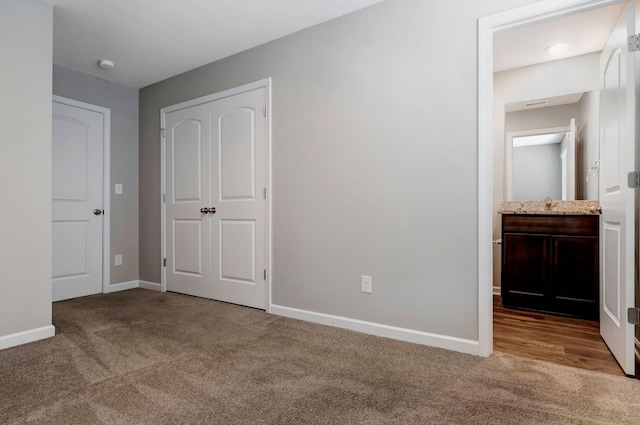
215, 184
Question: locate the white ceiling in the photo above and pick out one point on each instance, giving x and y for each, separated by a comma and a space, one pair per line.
151, 40
585, 32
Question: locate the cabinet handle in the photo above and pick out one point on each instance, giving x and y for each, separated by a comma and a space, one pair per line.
596, 209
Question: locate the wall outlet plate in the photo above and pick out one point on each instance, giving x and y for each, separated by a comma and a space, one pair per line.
118, 260
118, 189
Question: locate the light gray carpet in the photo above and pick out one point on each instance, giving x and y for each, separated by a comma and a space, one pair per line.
144, 357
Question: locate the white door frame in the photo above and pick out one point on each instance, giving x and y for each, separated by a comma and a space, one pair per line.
266, 84
106, 182
536, 12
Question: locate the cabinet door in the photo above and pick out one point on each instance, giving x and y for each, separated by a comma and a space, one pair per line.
525, 270
574, 276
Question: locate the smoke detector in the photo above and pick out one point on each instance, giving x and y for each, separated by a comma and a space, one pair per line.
106, 64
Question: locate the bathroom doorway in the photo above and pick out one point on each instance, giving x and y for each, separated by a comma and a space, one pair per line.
532, 88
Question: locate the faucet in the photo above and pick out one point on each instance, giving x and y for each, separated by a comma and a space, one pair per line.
547, 201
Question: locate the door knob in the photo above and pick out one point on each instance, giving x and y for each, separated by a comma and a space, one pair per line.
204, 210
212, 210
97, 211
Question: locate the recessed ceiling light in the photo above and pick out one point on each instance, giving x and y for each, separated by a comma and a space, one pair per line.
557, 49
106, 64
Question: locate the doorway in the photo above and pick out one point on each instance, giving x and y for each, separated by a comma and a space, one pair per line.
80, 198
535, 13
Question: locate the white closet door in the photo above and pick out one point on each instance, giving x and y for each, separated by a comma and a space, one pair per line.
216, 162
238, 129
187, 174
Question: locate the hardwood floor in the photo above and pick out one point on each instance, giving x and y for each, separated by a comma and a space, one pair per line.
555, 339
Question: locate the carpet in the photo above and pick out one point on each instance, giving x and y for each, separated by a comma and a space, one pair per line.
145, 357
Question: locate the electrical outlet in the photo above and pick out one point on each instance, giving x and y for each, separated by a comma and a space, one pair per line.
118, 189
118, 261
366, 284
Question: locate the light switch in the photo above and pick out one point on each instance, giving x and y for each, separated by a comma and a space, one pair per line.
118, 189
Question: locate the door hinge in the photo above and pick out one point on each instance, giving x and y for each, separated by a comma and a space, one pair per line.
164, 262
633, 43
633, 180
633, 316
264, 111
164, 132
265, 274
265, 193
164, 197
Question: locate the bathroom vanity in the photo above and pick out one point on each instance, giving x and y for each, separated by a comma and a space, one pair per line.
550, 260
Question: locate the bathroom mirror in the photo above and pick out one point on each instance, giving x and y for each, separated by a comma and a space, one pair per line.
551, 148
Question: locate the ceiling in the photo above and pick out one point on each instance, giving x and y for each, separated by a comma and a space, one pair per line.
585, 32
151, 40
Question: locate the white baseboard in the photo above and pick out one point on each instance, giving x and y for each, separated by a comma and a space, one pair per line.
150, 285
123, 286
402, 334
496, 290
27, 336
135, 284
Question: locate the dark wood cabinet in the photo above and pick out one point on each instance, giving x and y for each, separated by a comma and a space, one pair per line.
550, 263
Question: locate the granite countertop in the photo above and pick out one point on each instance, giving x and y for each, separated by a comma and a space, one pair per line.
556, 207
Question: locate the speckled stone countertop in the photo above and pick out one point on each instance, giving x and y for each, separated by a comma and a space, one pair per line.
556, 207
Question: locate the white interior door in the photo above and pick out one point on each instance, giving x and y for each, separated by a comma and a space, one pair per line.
238, 129
215, 180
617, 152
188, 194
77, 201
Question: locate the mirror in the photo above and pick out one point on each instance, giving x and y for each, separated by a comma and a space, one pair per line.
543, 163
551, 148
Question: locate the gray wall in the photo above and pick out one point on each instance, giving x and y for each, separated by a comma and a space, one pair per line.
123, 102
374, 162
26, 34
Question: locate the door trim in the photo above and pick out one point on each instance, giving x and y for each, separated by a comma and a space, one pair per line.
106, 182
533, 13
266, 84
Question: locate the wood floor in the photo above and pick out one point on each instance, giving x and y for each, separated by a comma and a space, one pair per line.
555, 339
